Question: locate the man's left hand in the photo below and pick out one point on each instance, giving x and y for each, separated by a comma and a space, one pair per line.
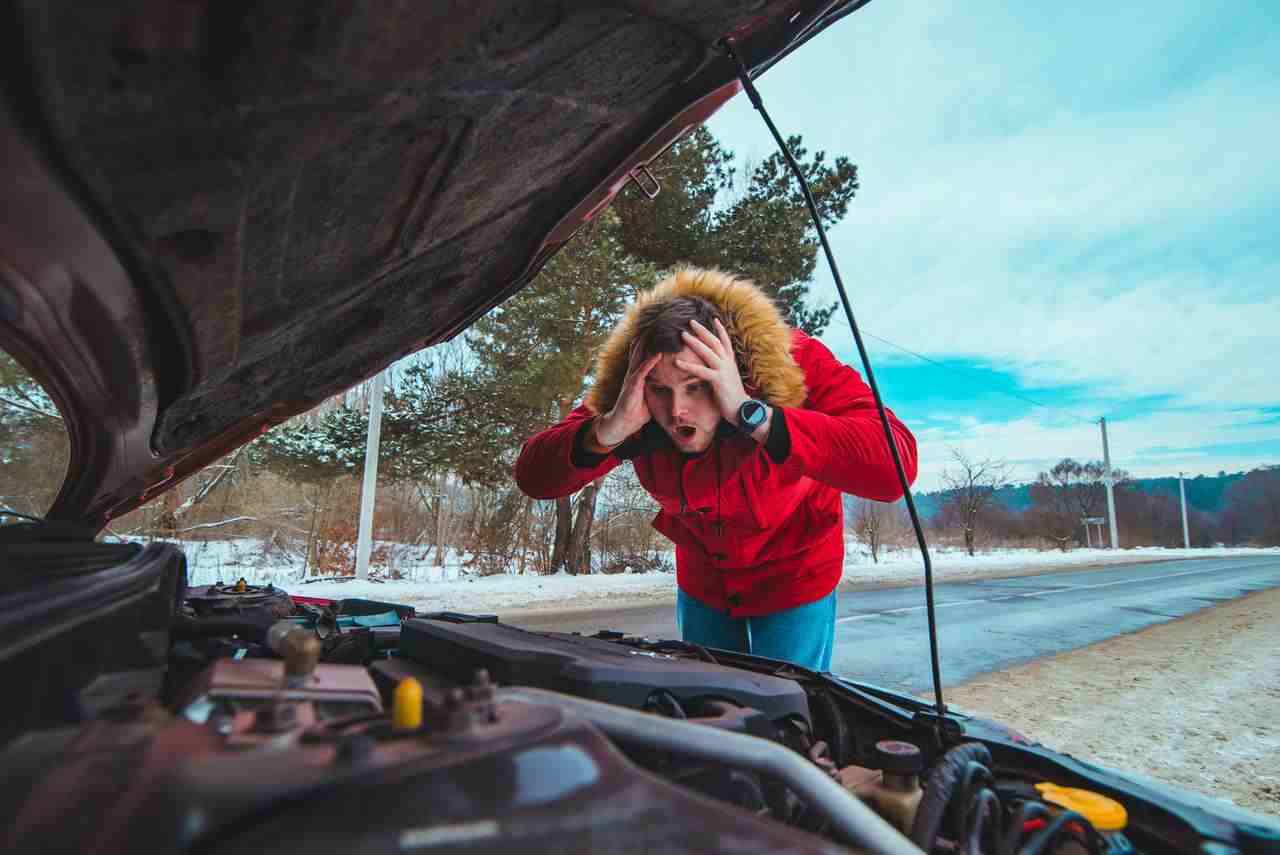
717, 367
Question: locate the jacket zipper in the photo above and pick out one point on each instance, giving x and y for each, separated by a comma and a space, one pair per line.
684, 504
719, 532
718, 528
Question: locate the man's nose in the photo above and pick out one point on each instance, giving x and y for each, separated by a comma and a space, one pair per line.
679, 405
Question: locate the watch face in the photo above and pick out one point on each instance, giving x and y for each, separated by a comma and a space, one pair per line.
751, 414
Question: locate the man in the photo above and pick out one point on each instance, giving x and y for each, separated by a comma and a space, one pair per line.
745, 432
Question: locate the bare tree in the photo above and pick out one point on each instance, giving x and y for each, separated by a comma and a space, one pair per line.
206, 481
1149, 518
1065, 495
973, 485
1251, 508
622, 535
578, 555
870, 522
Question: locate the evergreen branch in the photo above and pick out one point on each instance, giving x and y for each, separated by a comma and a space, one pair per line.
30, 409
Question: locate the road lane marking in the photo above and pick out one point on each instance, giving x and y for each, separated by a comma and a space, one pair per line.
1045, 593
906, 609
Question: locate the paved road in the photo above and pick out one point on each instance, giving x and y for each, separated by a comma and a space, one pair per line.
984, 626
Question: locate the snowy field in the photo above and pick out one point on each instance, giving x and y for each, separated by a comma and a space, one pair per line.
451, 587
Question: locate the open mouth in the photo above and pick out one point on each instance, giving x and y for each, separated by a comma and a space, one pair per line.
686, 432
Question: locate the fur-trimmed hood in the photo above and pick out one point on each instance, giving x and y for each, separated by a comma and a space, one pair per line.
760, 336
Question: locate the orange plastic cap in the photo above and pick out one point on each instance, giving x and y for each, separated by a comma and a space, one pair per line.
1105, 814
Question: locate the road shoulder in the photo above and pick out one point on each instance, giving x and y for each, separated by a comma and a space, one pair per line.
1190, 702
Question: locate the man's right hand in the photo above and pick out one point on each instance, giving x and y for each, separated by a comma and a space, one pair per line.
630, 413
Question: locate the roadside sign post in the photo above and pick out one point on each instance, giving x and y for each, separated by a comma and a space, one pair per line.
1088, 521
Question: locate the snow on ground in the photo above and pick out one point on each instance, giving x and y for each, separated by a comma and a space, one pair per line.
452, 587
503, 593
425, 585
210, 561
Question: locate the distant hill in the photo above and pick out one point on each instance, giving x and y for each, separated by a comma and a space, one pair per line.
1204, 493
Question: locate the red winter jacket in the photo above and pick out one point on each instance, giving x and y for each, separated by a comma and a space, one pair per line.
757, 530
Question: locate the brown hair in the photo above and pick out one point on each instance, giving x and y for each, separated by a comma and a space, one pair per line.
658, 325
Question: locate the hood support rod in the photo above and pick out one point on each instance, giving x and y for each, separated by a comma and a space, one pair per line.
749, 87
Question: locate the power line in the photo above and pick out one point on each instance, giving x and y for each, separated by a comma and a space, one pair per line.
973, 375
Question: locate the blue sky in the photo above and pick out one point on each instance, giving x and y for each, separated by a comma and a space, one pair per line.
1078, 205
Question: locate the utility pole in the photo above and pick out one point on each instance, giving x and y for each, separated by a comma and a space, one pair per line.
364, 540
1111, 495
1182, 494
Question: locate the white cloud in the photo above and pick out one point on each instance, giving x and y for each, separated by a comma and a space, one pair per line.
1101, 231
1069, 257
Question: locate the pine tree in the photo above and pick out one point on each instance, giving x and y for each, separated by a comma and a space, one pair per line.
762, 231
34, 446
536, 353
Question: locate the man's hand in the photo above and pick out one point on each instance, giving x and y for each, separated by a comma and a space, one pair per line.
717, 367
630, 412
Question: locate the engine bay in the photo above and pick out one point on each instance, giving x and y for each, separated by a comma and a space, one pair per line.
238, 718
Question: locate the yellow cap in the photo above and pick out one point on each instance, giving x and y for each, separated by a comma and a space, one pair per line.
1105, 814
407, 714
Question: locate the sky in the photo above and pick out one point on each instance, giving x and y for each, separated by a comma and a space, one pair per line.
1071, 210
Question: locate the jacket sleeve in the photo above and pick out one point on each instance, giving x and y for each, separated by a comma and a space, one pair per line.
554, 463
837, 437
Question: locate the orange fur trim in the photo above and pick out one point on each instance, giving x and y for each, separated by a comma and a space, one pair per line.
755, 325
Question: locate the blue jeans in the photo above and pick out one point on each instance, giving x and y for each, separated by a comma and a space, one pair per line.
803, 635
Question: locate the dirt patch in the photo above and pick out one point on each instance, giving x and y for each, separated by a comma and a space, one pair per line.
1190, 702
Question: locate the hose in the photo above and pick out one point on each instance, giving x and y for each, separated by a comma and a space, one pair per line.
839, 738
982, 822
1044, 839
939, 788
1016, 829
851, 820
961, 782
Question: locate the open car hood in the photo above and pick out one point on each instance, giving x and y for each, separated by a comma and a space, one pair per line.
215, 215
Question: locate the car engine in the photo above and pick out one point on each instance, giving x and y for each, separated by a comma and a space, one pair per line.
236, 718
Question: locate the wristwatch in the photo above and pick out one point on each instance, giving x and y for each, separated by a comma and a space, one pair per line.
752, 414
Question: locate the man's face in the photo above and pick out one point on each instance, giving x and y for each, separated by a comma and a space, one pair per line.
682, 404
